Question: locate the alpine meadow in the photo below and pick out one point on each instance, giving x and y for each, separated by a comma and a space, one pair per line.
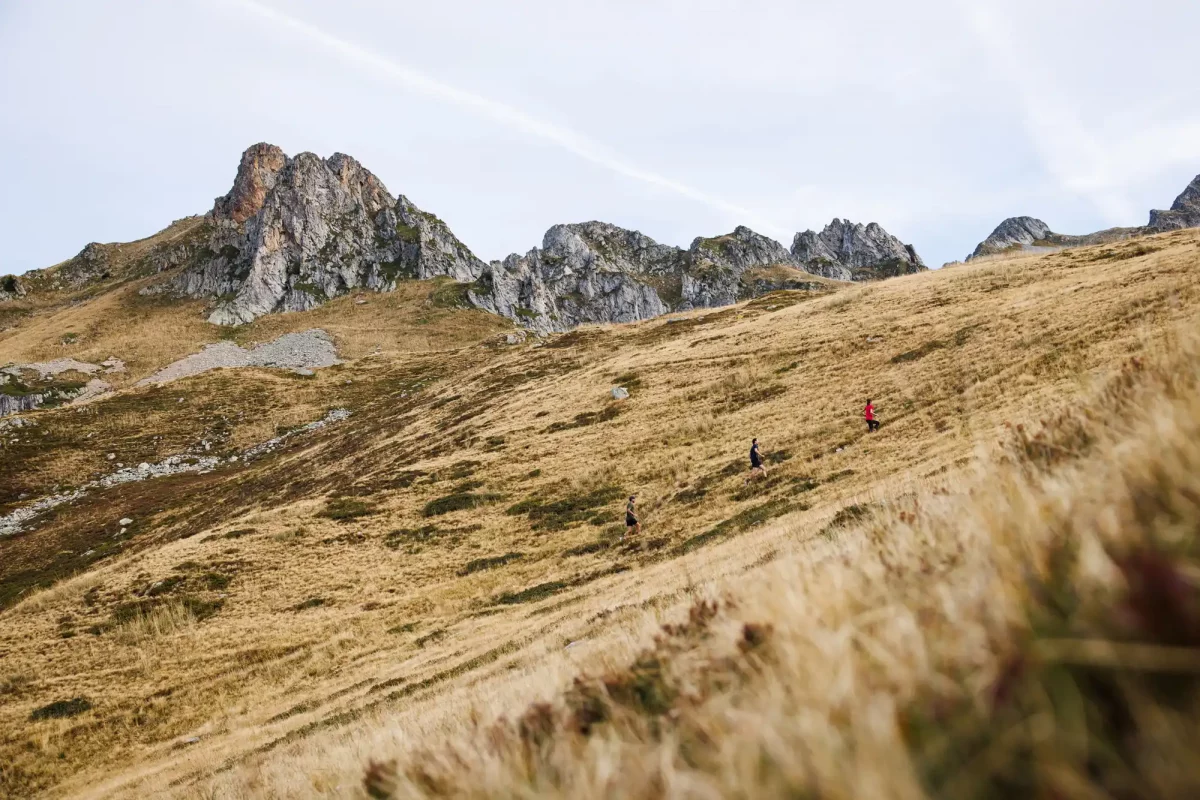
303, 497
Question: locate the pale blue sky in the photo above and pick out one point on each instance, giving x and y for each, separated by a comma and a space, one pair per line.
935, 119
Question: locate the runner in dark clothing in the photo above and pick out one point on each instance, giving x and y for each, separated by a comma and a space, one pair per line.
632, 524
869, 416
757, 470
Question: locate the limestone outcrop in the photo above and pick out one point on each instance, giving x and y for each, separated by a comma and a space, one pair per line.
1183, 213
850, 251
294, 232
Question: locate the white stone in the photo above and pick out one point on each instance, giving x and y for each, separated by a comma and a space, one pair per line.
620, 393
125, 521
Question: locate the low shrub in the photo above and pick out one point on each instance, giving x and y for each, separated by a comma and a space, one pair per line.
346, 508
481, 564
459, 501
61, 709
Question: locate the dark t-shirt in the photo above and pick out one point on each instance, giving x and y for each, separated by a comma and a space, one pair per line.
755, 459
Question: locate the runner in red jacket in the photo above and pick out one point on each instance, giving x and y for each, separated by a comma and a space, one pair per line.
869, 416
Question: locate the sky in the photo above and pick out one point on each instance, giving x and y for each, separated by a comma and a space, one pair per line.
680, 119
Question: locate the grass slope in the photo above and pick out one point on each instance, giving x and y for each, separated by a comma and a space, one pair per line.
272, 628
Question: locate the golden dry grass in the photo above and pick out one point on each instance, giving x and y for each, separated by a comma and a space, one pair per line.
149, 332
391, 636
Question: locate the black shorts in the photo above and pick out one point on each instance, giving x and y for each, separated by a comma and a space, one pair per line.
754, 465
630, 520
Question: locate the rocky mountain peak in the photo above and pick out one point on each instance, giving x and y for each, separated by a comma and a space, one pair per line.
607, 246
599, 272
742, 249
1014, 232
255, 177
1184, 212
295, 232
584, 272
845, 250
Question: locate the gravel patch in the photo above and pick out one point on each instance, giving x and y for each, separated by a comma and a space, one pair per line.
299, 352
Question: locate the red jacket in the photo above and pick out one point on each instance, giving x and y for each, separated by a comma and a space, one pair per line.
869, 412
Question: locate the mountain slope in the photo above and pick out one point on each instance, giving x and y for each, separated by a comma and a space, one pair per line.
271, 625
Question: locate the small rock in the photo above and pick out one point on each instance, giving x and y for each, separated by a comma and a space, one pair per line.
233, 458
111, 456
620, 393
360, 301
305, 371
191, 740
125, 521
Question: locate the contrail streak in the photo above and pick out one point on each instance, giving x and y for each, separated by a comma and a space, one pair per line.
502, 113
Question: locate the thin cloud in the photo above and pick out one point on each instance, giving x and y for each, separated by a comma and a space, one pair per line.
569, 140
1071, 153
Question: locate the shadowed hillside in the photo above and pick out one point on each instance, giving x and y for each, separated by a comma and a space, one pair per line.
400, 602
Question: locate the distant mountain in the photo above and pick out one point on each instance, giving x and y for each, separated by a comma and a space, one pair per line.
1027, 234
854, 252
1030, 235
1184, 212
294, 232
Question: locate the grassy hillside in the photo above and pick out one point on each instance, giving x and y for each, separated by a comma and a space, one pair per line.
357, 610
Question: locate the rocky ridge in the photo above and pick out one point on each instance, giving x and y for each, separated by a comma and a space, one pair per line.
1028, 234
1184, 212
597, 272
844, 250
1031, 235
294, 232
